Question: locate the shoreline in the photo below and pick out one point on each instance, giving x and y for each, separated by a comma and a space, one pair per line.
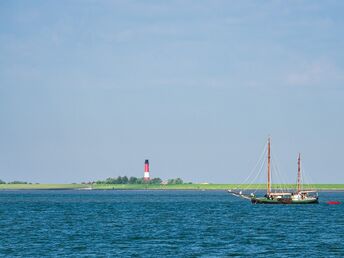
183, 187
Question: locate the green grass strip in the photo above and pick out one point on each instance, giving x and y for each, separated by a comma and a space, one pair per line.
161, 187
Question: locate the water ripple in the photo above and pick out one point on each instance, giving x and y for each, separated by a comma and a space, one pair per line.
164, 223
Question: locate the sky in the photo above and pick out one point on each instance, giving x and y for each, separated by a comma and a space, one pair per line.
90, 89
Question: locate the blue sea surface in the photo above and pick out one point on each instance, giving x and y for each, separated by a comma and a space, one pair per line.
165, 224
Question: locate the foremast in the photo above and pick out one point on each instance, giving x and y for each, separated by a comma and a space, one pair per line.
269, 168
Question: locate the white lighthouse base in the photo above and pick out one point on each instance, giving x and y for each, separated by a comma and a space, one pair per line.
146, 176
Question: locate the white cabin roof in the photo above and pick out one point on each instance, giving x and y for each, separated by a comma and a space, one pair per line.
279, 193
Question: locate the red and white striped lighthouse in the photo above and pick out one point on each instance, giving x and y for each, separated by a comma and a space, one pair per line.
146, 173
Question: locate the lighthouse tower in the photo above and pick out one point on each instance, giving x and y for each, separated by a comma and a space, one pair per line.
146, 173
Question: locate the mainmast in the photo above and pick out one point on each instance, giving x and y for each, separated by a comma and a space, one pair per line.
299, 174
269, 172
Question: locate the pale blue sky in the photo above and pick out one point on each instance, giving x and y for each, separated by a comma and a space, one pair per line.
90, 89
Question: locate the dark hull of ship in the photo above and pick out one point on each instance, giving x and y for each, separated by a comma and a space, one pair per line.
264, 200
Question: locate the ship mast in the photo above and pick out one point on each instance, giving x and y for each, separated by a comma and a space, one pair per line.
299, 174
269, 172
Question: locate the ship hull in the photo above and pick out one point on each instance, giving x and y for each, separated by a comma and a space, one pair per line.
264, 200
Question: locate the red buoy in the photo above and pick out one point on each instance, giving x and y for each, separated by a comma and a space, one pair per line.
333, 202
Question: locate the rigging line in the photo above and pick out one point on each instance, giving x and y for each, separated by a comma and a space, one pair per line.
254, 168
258, 162
262, 165
277, 167
302, 179
305, 178
279, 172
275, 173
309, 179
260, 171
249, 184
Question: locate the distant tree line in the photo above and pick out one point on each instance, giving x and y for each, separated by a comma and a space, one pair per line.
135, 180
131, 180
121, 180
177, 181
14, 182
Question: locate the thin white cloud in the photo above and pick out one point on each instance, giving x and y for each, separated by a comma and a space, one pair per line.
316, 73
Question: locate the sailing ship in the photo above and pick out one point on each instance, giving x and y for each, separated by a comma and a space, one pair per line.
299, 196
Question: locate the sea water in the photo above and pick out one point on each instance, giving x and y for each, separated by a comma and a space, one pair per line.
165, 224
